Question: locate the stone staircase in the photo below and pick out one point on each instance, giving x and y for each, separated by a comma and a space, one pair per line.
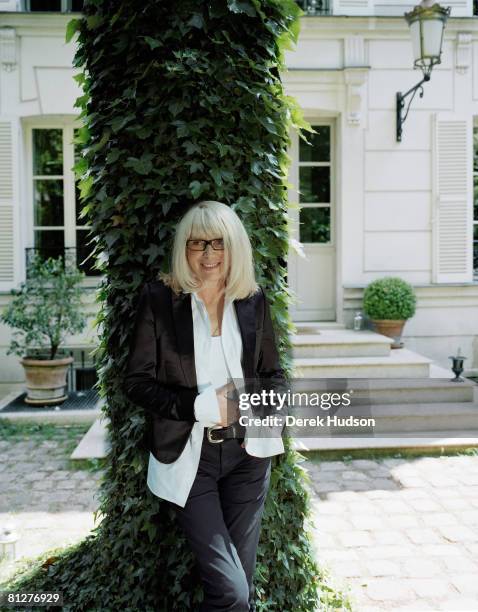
412, 400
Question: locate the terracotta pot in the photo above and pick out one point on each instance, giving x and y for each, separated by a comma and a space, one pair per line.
392, 328
46, 380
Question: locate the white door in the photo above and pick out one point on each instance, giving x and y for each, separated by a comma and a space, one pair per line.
312, 276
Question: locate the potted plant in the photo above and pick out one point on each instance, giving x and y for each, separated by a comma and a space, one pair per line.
389, 302
45, 309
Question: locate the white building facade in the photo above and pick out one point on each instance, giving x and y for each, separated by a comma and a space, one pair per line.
369, 206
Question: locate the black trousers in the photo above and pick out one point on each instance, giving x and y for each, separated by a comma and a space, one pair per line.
222, 519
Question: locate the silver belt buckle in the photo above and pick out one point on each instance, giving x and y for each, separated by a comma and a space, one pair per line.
209, 429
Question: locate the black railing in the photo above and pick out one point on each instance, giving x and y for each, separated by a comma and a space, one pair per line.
78, 257
316, 7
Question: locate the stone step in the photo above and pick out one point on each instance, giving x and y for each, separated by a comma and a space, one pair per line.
397, 418
425, 440
340, 343
401, 363
402, 390
94, 444
314, 327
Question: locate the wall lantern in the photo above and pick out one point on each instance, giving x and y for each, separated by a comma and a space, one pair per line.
427, 23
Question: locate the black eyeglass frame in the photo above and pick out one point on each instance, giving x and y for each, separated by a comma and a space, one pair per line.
205, 243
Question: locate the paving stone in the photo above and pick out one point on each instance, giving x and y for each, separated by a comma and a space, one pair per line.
467, 584
458, 533
348, 569
388, 537
367, 521
353, 475
468, 479
383, 484
460, 564
379, 472
412, 481
442, 550
335, 523
402, 521
332, 466
383, 567
394, 506
425, 505
354, 538
420, 568
458, 604
440, 518
325, 486
392, 462
387, 552
467, 517
364, 464
417, 606
384, 589
431, 587
424, 536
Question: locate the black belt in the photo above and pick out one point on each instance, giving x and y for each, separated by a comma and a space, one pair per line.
217, 433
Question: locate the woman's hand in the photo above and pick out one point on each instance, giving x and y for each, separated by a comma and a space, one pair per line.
228, 408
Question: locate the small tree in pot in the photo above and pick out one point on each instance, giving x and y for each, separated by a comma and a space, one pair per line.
389, 302
45, 310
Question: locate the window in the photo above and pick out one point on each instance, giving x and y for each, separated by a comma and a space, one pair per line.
315, 186
58, 6
57, 227
475, 202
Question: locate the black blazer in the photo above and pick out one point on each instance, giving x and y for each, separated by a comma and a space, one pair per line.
161, 374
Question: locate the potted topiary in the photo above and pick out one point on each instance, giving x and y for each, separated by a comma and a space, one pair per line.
389, 302
44, 311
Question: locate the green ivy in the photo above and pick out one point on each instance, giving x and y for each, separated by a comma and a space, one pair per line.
389, 298
182, 101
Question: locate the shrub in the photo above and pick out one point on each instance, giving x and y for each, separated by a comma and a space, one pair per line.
389, 298
46, 309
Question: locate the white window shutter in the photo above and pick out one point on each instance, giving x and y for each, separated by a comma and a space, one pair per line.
7, 243
452, 199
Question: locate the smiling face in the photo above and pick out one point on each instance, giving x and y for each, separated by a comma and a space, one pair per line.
208, 265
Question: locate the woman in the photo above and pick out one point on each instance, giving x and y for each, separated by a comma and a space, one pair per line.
198, 329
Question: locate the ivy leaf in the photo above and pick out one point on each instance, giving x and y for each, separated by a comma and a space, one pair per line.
143, 165
152, 42
197, 188
241, 6
196, 21
72, 27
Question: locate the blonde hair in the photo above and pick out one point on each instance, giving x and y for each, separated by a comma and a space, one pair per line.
210, 219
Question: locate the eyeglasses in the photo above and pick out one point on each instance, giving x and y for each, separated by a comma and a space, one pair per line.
200, 245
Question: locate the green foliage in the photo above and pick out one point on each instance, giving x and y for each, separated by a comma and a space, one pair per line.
389, 298
46, 309
182, 101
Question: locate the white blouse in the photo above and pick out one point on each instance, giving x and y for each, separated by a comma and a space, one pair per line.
173, 481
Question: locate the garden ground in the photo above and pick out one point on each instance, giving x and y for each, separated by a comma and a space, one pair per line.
401, 532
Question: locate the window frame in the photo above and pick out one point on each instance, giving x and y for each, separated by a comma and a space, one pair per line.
331, 205
67, 125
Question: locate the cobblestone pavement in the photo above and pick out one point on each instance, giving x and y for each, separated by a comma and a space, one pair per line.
49, 503
402, 533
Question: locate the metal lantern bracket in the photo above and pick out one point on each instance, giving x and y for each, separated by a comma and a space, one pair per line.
401, 104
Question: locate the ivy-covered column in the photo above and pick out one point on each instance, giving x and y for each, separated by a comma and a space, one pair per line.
182, 101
